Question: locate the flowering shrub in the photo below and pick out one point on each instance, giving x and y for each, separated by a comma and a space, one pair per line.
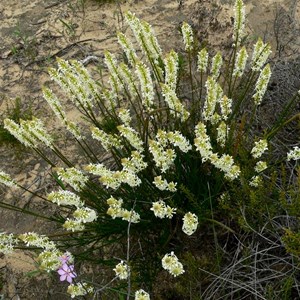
176, 147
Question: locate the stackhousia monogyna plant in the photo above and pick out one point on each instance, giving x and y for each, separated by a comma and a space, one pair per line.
160, 151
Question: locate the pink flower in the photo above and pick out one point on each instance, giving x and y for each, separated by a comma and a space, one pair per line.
64, 258
66, 272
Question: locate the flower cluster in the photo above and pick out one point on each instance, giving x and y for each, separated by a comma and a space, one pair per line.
225, 105
188, 36
79, 289
6, 180
129, 80
225, 162
146, 85
84, 215
261, 84
161, 210
171, 69
177, 109
260, 54
240, 62
107, 140
81, 215
128, 174
216, 65
65, 197
202, 60
50, 258
31, 133
239, 21
113, 179
73, 225
178, 140
75, 80
57, 108
141, 295
7, 243
115, 210
190, 223
122, 270
163, 185
171, 263
135, 163
214, 95
259, 148
294, 154
255, 181
115, 80
222, 133
124, 115
260, 166
72, 176
132, 136
127, 48
163, 158
145, 36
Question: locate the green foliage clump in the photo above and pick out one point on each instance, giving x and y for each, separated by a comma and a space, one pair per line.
291, 241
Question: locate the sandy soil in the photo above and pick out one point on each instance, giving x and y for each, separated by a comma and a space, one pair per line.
34, 32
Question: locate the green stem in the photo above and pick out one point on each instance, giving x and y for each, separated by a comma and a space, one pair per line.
28, 212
